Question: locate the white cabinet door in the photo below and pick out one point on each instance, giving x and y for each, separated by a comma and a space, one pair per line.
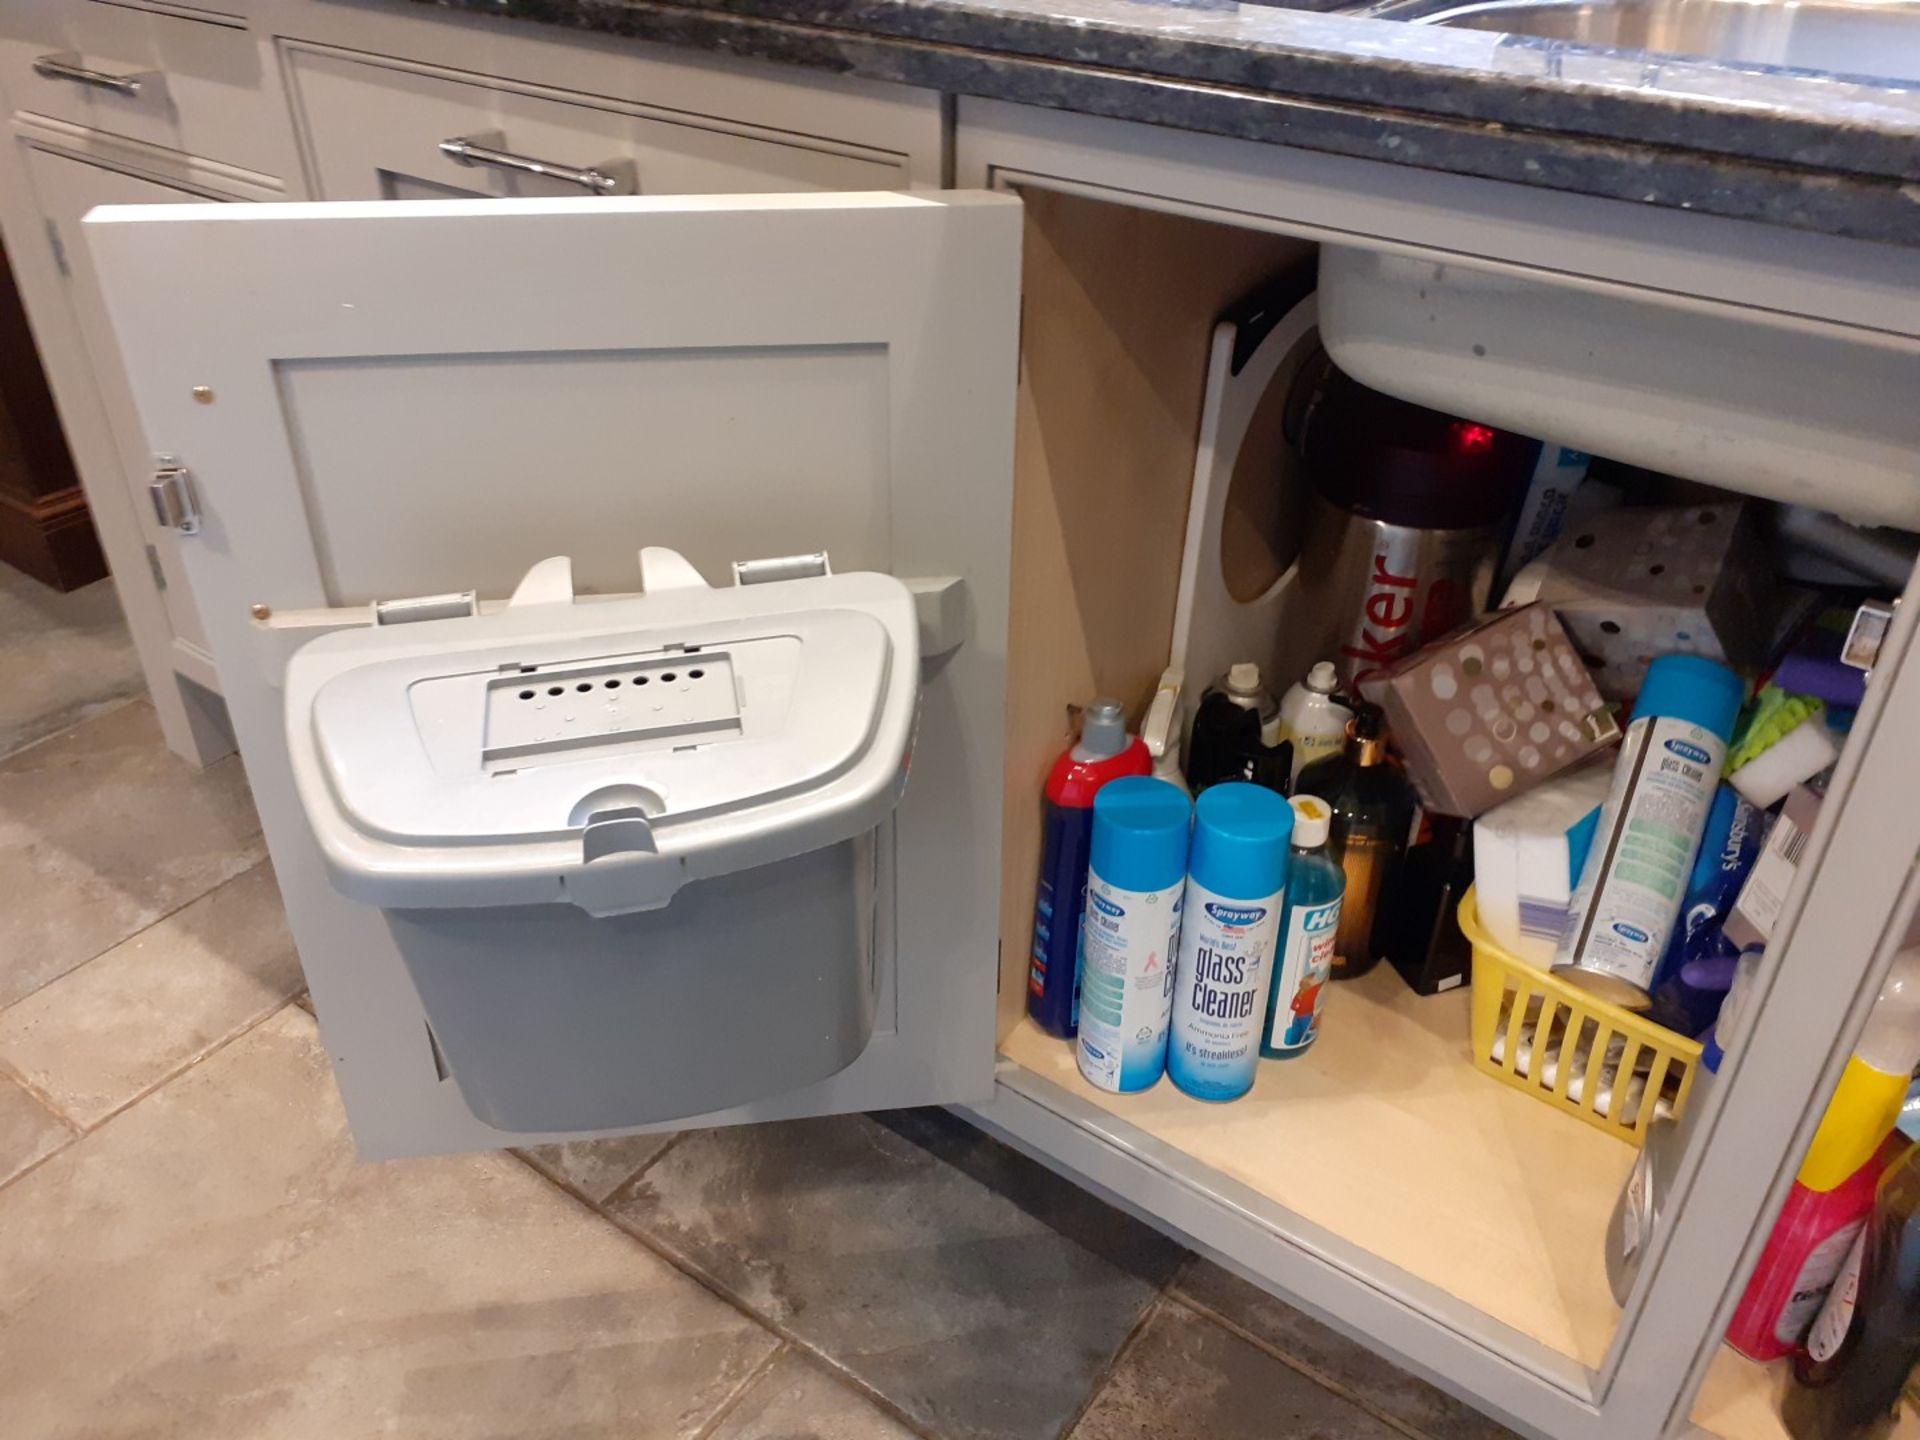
67, 189
384, 400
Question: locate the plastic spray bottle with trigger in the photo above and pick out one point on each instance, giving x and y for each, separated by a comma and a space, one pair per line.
1832, 1195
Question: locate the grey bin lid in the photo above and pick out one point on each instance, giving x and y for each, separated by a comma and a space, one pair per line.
604, 752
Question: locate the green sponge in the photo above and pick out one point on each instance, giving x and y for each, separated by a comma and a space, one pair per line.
1783, 742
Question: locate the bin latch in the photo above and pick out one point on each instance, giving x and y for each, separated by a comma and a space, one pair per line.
781, 567
425, 607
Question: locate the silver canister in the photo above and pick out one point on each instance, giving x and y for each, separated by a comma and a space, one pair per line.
1374, 591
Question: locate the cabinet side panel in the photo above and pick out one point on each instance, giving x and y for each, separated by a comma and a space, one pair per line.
1117, 318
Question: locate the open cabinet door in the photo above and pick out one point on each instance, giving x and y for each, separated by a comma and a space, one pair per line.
534, 899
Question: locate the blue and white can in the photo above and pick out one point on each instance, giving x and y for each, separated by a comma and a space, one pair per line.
1625, 907
1236, 889
1136, 882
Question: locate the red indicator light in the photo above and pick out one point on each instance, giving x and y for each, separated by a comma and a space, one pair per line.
1473, 438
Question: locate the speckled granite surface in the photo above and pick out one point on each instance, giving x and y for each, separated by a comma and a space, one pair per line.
1792, 148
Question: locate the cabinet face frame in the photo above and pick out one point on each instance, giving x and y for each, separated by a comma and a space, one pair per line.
1749, 1127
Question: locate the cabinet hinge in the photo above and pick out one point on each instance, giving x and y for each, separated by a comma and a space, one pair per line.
59, 248
174, 504
153, 564
425, 607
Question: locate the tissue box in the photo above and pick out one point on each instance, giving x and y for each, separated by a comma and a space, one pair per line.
1632, 584
1491, 710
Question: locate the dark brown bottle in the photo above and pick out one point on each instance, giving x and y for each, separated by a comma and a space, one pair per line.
1372, 813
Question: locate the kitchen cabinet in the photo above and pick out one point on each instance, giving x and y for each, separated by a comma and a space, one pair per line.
152, 102
67, 187
395, 425
393, 131
149, 100
44, 528
1384, 1186
179, 80
51, 173
1485, 1282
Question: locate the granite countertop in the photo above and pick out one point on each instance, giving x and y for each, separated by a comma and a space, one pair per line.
1833, 154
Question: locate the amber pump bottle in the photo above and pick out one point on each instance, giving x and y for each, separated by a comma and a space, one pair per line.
1372, 814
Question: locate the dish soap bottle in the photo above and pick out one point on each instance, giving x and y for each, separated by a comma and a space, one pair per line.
1833, 1193
1242, 686
1307, 927
1373, 809
1866, 1340
1234, 729
1312, 719
1104, 752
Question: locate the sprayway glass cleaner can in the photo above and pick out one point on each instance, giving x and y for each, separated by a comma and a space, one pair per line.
1236, 887
1630, 889
1128, 939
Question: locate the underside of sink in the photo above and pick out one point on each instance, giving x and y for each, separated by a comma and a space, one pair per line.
1873, 38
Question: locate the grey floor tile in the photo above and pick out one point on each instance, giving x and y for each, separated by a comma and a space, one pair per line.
795, 1400
214, 1263
947, 1297
65, 657
596, 1168
1187, 1378
102, 832
1374, 1381
1046, 1196
123, 1022
28, 1130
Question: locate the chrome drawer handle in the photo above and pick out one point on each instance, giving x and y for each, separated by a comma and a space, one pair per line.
68, 66
615, 178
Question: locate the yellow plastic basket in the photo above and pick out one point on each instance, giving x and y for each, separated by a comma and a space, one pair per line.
1589, 1043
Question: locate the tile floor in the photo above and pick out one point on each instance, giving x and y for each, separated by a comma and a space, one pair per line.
189, 1248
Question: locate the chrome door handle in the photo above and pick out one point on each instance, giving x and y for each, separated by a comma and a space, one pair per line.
67, 65
614, 178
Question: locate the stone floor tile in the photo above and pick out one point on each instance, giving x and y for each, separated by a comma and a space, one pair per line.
102, 832
66, 657
1186, 1378
28, 1130
596, 1168
1374, 1381
795, 1400
946, 1297
1044, 1194
214, 1263
123, 1022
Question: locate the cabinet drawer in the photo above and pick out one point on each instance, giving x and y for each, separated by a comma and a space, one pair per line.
376, 130
185, 84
